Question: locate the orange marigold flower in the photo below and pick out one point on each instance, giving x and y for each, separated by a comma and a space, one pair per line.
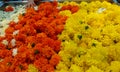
40, 37
21, 67
19, 43
12, 24
9, 30
9, 37
28, 30
54, 60
5, 53
21, 37
9, 8
73, 9
31, 40
1, 38
47, 52
18, 26
36, 39
40, 62
2, 46
47, 68
57, 44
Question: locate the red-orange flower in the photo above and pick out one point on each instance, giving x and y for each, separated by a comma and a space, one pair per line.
73, 9
36, 40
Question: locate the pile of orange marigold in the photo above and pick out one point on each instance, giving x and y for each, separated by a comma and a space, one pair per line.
35, 39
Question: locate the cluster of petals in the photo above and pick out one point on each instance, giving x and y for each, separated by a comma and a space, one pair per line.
33, 40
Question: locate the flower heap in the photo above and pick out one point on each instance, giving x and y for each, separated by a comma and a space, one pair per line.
31, 44
91, 38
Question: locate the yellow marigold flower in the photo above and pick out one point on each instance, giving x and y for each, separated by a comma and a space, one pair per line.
91, 38
94, 69
75, 68
32, 68
65, 12
62, 65
114, 67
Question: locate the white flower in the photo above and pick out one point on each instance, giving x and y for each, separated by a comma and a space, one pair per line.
36, 7
16, 32
5, 42
100, 10
13, 42
14, 52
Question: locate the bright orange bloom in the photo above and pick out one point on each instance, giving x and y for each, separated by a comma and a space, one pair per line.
73, 9
36, 42
55, 60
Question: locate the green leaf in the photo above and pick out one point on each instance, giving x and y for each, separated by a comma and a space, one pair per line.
80, 37
21, 67
8, 48
86, 27
54, 16
70, 59
36, 52
33, 44
94, 44
23, 14
81, 22
63, 40
115, 41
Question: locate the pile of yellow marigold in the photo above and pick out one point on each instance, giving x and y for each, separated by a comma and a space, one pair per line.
64, 37
91, 39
